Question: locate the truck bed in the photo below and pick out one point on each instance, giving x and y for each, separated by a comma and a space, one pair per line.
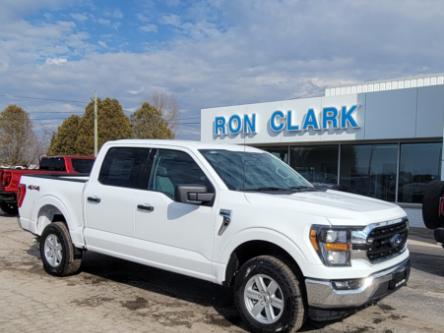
49, 190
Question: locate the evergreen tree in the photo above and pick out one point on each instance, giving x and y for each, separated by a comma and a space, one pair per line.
112, 125
63, 142
148, 123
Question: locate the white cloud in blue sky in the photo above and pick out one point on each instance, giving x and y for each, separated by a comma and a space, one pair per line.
208, 53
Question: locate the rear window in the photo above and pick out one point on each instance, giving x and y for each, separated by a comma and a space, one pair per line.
126, 167
52, 164
82, 165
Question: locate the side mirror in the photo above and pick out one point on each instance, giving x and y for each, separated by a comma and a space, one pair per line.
193, 194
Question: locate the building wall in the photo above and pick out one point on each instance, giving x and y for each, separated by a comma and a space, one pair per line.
395, 114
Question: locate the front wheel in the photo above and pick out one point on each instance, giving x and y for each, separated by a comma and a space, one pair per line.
268, 296
57, 251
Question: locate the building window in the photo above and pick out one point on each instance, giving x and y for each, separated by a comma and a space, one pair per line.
279, 152
318, 164
419, 164
369, 169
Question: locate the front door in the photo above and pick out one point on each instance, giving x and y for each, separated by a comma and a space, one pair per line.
180, 236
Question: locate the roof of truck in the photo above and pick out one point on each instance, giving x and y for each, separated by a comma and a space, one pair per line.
183, 143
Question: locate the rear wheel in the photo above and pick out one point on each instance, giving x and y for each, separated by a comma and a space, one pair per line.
268, 296
57, 251
9, 208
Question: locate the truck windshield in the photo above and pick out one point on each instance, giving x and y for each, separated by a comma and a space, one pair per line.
255, 172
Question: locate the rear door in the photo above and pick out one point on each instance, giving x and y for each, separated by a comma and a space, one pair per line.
178, 236
110, 199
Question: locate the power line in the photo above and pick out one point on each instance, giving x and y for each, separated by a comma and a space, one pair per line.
63, 118
72, 101
189, 120
49, 112
44, 99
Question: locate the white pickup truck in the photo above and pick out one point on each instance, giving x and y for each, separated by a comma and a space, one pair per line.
232, 215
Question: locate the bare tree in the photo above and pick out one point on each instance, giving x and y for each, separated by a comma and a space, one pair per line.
18, 141
168, 107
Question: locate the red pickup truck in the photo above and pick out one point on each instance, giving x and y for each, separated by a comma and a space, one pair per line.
10, 178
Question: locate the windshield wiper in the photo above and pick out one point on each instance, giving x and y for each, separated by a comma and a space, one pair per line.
302, 188
266, 189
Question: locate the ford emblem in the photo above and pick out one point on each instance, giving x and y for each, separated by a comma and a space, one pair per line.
396, 240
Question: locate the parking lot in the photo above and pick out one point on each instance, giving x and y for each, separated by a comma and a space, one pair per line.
112, 295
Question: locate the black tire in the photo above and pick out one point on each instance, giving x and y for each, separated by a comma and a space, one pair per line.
439, 235
70, 257
294, 310
9, 208
430, 205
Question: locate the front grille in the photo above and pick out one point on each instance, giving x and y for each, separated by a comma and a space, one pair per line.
387, 241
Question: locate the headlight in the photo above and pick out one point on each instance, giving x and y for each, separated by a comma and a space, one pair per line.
332, 245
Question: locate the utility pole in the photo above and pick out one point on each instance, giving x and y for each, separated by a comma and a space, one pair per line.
96, 132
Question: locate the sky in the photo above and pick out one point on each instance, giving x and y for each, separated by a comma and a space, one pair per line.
55, 54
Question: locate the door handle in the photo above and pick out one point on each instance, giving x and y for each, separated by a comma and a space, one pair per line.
147, 208
93, 199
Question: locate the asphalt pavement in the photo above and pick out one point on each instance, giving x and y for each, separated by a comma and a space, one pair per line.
111, 295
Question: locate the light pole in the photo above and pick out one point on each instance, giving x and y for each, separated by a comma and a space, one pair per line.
96, 134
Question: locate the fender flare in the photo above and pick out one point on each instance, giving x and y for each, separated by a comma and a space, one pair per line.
49, 200
260, 234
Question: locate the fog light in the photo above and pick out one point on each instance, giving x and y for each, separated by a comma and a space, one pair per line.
347, 284
352, 284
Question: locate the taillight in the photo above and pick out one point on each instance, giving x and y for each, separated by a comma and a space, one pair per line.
6, 178
21, 194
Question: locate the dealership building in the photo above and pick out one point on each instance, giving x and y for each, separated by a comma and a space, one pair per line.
380, 139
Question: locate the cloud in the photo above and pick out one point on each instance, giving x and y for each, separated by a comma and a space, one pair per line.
56, 61
172, 19
142, 18
103, 21
148, 28
136, 91
81, 17
228, 52
146, 25
16, 9
115, 13
102, 44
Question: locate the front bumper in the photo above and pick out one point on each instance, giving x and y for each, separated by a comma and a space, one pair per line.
324, 294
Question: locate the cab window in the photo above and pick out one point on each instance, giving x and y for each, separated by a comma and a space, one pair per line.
172, 168
82, 165
52, 164
126, 167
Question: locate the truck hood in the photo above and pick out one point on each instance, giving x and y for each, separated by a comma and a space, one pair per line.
340, 208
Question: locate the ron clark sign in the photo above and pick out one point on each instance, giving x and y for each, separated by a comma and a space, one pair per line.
329, 118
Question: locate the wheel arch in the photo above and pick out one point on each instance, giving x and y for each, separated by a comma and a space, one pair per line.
254, 248
252, 238
51, 210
